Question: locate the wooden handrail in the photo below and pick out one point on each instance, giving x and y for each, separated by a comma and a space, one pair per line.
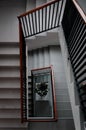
76, 3
80, 10
38, 8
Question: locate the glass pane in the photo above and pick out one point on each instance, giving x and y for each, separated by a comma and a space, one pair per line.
42, 94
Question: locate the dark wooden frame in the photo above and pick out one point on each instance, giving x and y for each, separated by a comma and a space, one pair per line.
54, 98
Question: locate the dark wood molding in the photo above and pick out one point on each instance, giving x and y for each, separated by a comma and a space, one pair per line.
21, 82
80, 10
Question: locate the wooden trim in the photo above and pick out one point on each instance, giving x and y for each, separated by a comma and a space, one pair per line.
54, 98
54, 95
41, 68
21, 82
38, 8
80, 10
42, 120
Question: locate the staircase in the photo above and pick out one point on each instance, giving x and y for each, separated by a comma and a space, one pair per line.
42, 51
10, 113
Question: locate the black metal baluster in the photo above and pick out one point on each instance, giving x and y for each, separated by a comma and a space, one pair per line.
27, 26
45, 18
25, 34
56, 14
39, 19
73, 28
49, 16
29, 23
36, 21
60, 13
73, 39
78, 39
52, 16
42, 19
33, 24
78, 47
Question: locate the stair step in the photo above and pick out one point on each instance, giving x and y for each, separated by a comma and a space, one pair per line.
10, 82
12, 128
10, 104
9, 60
9, 72
12, 123
10, 94
10, 114
5, 51
12, 49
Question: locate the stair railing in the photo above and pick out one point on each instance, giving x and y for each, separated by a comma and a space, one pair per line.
23, 75
74, 26
38, 20
41, 19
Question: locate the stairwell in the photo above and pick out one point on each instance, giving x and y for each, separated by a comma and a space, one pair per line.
44, 57
10, 107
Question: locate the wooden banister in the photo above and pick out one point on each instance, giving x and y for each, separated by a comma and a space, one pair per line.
80, 10
38, 8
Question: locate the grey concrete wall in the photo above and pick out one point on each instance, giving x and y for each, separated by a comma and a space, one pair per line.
9, 10
52, 56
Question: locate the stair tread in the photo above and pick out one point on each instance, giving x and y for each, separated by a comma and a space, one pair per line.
16, 77
7, 55
9, 43
9, 67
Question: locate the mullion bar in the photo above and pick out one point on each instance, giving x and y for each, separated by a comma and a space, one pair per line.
56, 14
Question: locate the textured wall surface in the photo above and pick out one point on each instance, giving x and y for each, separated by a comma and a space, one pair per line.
44, 57
9, 10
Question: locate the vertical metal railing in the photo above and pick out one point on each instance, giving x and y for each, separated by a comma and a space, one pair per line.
74, 28
41, 19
